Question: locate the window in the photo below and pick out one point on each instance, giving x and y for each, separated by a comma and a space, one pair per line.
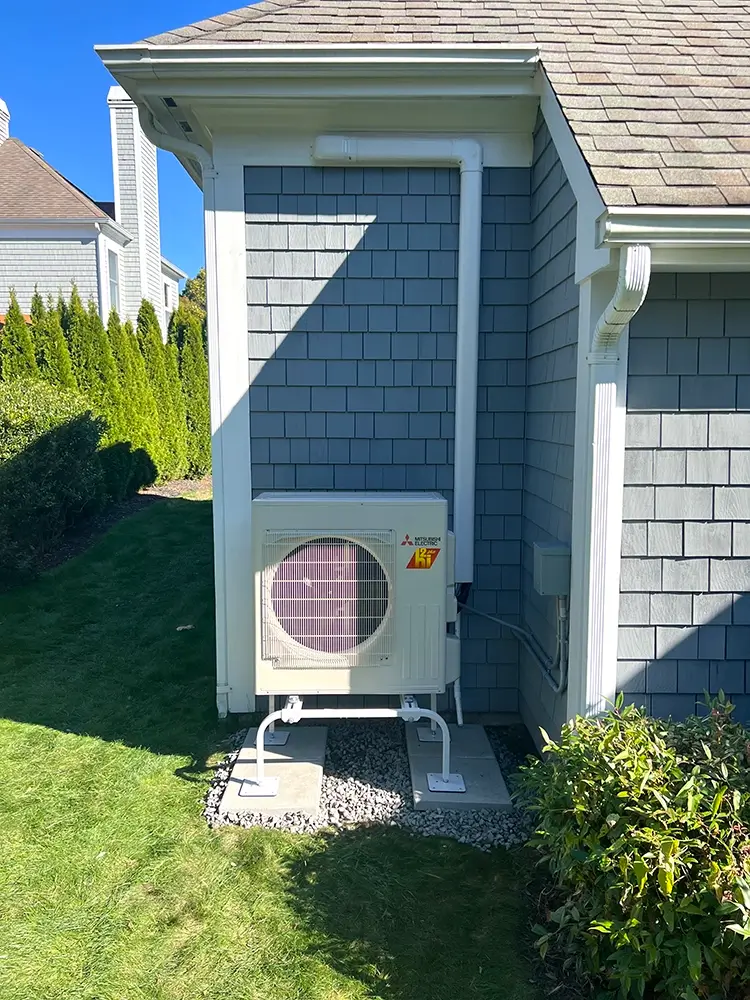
114, 280
166, 298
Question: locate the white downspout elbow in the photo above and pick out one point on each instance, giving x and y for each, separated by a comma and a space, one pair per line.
468, 156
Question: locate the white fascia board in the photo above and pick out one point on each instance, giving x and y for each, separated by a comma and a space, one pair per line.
675, 227
62, 229
171, 270
589, 257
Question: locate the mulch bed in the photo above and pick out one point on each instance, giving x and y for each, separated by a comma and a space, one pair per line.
79, 539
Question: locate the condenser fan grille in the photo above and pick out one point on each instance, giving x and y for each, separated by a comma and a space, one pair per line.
329, 594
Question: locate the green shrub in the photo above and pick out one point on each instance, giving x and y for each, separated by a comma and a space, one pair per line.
50, 471
140, 419
644, 826
186, 331
171, 457
50, 347
16, 347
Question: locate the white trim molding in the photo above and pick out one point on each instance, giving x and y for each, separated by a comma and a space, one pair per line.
226, 301
598, 477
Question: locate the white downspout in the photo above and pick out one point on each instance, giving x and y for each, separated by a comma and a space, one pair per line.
468, 156
602, 416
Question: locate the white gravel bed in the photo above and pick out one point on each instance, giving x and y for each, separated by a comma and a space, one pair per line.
366, 782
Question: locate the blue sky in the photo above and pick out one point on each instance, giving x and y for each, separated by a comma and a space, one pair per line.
56, 91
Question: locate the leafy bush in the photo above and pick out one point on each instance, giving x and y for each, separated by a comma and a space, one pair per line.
50, 472
644, 825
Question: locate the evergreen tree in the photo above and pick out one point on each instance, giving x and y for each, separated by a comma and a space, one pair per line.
186, 331
16, 346
52, 355
172, 368
172, 461
102, 383
78, 334
139, 415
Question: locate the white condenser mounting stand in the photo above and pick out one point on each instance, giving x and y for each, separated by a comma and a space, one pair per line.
353, 595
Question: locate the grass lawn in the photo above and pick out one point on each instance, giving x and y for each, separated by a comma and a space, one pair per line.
111, 885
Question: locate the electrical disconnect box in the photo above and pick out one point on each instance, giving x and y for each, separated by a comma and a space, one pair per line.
552, 569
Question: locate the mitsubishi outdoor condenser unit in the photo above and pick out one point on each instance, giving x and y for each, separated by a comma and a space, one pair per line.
353, 594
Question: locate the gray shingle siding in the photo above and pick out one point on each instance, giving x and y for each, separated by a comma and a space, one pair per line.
51, 265
550, 405
352, 342
685, 607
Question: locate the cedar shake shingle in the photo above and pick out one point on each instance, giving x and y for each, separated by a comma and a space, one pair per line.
651, 74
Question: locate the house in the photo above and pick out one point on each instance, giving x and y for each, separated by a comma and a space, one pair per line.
352, 156
52, 234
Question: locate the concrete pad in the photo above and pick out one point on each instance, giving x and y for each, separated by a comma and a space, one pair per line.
298, 766
466, 741
471, 757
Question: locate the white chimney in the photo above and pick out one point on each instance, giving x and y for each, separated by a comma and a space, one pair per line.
136, 207
4, 121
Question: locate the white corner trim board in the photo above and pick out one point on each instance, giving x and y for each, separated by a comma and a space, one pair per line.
598, 479
468, 156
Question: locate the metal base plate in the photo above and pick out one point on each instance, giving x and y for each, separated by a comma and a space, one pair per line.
278, 738
455, 783
253, 789
425, 735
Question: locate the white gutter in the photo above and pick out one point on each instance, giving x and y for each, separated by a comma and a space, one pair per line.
674, 227
468, 156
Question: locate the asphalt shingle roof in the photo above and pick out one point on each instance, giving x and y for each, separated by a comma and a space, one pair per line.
31, 189
657, 94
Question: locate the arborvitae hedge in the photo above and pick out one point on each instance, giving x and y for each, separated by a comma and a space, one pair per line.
16, 347
139, 414
78, 337
186, 330
153, 397
172, 459
50, 347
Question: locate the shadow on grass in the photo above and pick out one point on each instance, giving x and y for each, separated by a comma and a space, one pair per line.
118, 643
418, 917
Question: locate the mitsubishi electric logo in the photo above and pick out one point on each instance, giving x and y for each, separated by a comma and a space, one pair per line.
423, 541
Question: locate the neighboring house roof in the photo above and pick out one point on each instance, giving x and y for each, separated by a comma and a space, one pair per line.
657, 94
31, 189
171, 270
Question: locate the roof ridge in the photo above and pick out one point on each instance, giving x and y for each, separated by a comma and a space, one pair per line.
59, 178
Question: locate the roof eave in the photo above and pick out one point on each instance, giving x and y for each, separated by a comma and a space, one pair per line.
231, 58
171, 270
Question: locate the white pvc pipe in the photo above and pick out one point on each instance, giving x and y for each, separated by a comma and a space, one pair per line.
467, 155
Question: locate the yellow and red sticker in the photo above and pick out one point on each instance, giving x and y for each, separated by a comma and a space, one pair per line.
423, 558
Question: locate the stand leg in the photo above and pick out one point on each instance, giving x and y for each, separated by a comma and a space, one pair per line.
272, 737
457, 699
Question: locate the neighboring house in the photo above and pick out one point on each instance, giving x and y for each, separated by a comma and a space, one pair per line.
52, 234
613, 400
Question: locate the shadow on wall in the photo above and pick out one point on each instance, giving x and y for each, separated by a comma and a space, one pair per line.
689, 661
352, 347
